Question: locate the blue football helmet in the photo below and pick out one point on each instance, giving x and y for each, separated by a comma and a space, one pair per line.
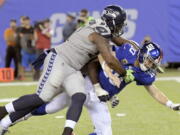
115, 17
150, 52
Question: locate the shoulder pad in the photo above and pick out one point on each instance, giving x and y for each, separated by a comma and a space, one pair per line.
136, 43
100, 27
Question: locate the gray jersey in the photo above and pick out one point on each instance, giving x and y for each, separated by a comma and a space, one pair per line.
78, 50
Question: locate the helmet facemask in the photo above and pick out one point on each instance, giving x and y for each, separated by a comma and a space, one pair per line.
119, 29
150, 59
149, 63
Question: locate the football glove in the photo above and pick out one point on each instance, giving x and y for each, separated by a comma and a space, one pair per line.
175, 107
114, 101
129, 77
101, 93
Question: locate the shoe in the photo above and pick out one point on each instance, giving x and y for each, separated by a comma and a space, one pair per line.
3, 131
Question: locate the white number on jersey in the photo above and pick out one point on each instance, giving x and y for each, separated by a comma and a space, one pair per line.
100, 27
101, 30
132, 51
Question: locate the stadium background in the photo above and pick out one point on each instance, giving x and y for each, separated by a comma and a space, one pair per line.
157, 18
142, 115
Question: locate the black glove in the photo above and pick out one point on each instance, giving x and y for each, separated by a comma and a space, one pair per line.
176, 107
114, 101
104, 98
101, 93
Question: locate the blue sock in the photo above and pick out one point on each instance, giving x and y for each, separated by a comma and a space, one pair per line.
92, 134
40, 110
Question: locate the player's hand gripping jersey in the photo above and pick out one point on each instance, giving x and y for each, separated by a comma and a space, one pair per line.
127, 55
78, 50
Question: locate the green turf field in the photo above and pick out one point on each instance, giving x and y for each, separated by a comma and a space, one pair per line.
143, 115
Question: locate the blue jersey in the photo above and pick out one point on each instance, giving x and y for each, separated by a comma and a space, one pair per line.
127, 55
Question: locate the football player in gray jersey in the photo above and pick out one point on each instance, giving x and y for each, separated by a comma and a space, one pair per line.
62, 65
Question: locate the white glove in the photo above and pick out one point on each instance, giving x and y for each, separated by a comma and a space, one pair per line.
114, 101
101, 93
175, 107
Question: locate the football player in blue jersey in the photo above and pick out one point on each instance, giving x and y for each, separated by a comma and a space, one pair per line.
143, 63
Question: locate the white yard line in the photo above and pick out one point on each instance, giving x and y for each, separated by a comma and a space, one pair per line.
5, 100
120, 114
19, 84
177, 79
60, 117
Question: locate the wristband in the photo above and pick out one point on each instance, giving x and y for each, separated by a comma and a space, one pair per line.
169, 103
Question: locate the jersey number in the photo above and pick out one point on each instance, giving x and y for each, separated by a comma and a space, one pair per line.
101, 30
132, 51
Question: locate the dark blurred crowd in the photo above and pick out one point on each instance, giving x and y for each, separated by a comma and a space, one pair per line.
73, 22
25, 42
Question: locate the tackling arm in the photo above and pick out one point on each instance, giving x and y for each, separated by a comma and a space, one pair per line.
116, 81
92, 71
120, 41
102, 45
161, 98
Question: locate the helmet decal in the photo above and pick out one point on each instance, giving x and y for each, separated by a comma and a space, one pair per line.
115, 17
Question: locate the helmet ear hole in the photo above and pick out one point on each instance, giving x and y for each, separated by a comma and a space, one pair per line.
113, 22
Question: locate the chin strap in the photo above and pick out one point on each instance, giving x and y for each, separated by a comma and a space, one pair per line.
143, 68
